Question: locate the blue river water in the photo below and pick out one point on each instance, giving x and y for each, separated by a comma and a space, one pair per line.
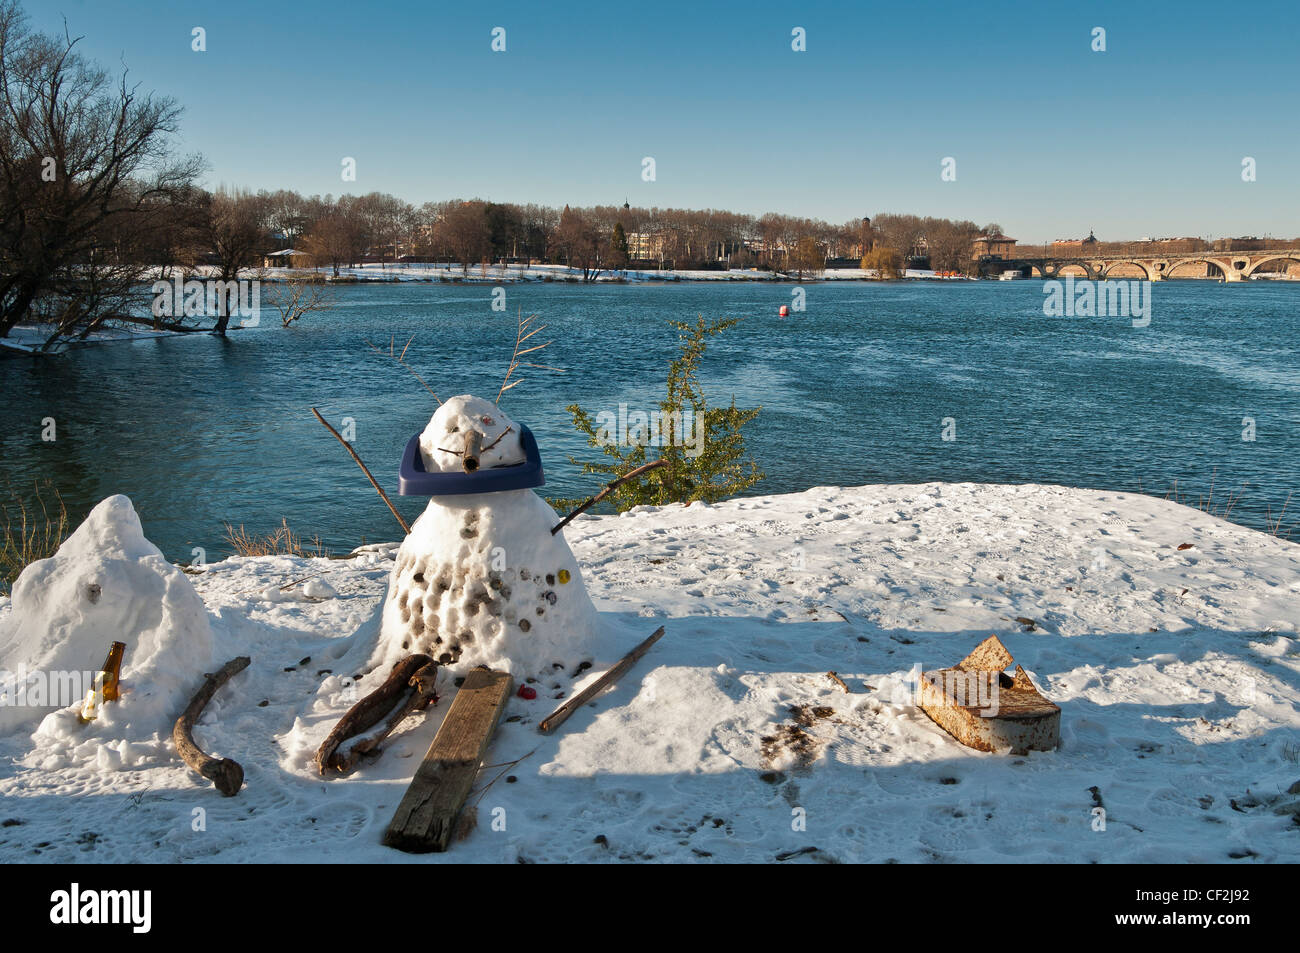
201, 431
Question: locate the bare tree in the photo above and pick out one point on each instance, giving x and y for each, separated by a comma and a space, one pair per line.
287, 214
334, 238
902, 233
464, 231
579, 242
237, 233
298, 296
85, 178
382, 217
950, 243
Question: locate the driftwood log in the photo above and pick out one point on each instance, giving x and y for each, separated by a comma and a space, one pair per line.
225, 773
409, 687
557, 717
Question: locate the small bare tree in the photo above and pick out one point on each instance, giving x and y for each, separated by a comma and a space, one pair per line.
297, 296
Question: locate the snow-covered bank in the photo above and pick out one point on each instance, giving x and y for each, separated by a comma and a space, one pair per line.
1177, 670
499, 274
31, 338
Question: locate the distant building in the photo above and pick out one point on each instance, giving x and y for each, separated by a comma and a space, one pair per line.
993, 246
1075, 246
286, 258
644, 246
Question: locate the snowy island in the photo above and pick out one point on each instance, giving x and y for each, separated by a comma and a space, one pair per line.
1167, 636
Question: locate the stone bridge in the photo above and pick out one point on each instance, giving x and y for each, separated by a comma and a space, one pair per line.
1231, 265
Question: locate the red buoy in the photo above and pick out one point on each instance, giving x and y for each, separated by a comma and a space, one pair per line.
785, 311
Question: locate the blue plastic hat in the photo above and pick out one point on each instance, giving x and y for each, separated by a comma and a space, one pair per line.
414, 480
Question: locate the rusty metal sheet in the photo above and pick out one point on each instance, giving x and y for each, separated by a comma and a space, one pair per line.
989, 656
986, 709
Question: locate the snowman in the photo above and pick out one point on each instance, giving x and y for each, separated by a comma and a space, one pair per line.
480, 579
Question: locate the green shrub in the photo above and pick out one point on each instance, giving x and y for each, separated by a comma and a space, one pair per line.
719, 470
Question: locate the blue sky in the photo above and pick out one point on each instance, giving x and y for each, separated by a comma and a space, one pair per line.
1050, 138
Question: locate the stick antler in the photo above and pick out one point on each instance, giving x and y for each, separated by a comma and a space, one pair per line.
401, 359
525, 325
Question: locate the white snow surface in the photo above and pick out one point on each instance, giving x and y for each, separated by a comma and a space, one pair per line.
1177, 671
105, 583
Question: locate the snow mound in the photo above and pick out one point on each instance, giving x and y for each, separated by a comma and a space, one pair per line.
443, 439
106, 583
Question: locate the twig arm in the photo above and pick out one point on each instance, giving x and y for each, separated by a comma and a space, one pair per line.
364, 469
631, 474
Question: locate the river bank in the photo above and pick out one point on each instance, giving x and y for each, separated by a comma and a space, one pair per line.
1174, 656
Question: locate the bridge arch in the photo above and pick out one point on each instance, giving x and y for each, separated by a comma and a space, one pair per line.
1061, 267
1225, 268
1280, 256
1111, 266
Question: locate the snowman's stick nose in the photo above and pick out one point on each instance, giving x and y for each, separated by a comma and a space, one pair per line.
473, 446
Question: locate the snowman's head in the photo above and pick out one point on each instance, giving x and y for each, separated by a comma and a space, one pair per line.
443, 442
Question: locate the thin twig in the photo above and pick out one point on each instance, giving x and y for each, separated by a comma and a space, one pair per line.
401, 359
515, 363
644, 468
504, 766
1278, 525
617, 671
497, 440
839, 681
364, 469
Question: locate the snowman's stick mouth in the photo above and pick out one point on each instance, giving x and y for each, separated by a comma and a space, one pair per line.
474, 449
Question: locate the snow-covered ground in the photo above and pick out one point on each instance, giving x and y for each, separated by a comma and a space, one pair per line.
1177, 668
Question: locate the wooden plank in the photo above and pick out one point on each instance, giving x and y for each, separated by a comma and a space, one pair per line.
425, 818
557, 717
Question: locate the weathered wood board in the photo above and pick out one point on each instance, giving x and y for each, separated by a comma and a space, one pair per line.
984, 708
427, 814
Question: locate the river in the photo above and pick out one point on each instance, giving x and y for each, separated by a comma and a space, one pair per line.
201, 431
